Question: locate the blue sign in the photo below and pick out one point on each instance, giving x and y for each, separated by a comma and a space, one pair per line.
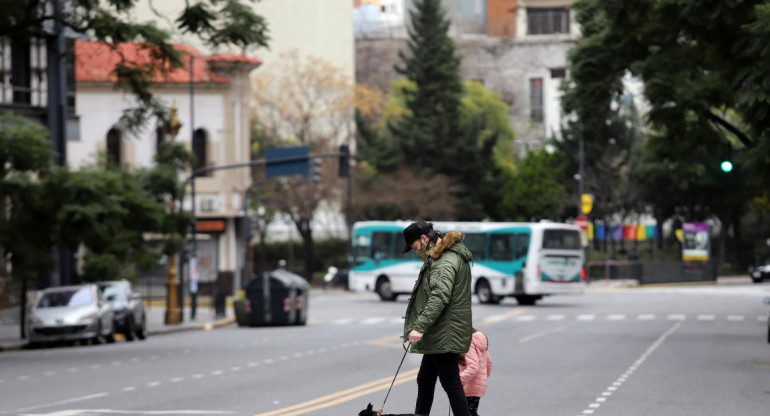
287, 161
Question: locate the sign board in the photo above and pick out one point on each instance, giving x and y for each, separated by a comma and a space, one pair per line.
582, 222
695, 245
275, 166
586, 203
209, 226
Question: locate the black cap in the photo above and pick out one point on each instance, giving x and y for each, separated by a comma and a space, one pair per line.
413, 232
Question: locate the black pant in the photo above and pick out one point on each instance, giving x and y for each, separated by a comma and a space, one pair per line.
473, 405
445, 367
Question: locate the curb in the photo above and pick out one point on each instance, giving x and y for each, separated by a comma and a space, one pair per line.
158, 331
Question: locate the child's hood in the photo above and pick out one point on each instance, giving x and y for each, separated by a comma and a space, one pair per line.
481, 341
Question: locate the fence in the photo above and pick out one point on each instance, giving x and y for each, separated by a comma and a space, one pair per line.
651, 272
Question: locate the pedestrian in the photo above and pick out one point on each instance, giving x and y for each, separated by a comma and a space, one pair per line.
475, 369
438, 317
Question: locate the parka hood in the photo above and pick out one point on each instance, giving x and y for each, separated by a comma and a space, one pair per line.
452, 241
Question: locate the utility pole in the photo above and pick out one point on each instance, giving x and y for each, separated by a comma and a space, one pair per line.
173, 311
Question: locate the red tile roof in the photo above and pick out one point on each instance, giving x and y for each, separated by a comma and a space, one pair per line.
95, 62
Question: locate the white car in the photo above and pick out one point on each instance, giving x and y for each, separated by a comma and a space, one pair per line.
70, 313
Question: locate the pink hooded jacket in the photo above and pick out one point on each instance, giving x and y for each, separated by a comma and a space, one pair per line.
478, 366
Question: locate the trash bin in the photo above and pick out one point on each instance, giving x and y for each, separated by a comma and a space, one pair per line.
278, 297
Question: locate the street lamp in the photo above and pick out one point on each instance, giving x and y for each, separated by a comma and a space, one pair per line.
173, 311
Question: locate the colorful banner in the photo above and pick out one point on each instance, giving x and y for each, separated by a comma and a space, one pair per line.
696, 244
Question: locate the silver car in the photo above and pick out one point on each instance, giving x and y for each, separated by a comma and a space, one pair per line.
129, 315
70, 313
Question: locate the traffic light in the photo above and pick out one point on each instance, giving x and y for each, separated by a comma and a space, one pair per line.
727, 159
344, 161
314, 175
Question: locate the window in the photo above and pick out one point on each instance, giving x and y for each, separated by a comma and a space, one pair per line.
23, 71
381, 243
557, 73
522, 245
501, 247
75, 297
536, 99
541, 21
160, 138
561, 239
477, 244
113, 147
200, 147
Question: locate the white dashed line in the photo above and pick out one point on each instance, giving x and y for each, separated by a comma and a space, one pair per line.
153, 384
115, 363
525, 318
616, 317
541, 334
676, 317
554, 318
73, 370
197, 376
586, 317
645, 317
177, 379
217, 373
22, 378
253, 364
269, 361
735, 318
283, 358
396, 321
495, 318
236, 368
705, 317
342, 321
49, 373
371, 321
127, 389
761, 318
95, 366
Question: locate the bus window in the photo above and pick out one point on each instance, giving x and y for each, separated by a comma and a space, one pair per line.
561, 239
361, 249
522, 245
501, 247
476, 243
381, 246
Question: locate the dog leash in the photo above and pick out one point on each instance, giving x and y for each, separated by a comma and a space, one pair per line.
406, 345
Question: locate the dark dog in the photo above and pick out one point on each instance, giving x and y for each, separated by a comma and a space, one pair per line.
371, 412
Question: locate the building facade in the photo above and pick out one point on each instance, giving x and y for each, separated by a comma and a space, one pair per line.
214, 112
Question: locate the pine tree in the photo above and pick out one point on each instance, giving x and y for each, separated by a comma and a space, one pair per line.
430, 133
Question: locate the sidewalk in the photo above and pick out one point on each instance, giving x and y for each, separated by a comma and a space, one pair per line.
9, 332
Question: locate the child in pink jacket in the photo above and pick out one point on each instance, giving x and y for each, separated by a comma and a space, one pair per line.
475, 368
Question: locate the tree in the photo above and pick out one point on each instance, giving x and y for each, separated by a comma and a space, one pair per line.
26, 212
303, 101
535, 190
219, 23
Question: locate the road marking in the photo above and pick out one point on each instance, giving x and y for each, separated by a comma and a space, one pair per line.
541, 334
49, 373
177, 379
761, 318
95, 366
115, 363
236, 368
298, 354
676, 317
526, 318
342, 321
705, 317
197, 376
217, 373
616, 317
342, 396
396, 321
735, 318
75, 400
645, 317
153, 384
586, 317
269, 361
127, 389
370, 321
554, 317
253, 364
639, 361
283, 358
73, 369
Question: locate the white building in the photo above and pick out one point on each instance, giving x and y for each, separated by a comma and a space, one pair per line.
215, 128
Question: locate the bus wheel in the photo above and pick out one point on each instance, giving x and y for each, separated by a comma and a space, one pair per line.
526, 299
385, 290
484, 292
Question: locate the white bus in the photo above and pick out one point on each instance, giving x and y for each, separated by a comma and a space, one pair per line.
523, 260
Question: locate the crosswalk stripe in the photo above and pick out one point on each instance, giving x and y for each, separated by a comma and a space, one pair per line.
645, 317
586, 317
705, 317
616, 317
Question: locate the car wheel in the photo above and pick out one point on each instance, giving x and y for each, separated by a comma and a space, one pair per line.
756, 279
97, 339
385, 290
111, 336
130, 329
141, 333
484, 293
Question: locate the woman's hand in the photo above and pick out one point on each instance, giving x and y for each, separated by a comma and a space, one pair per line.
415, 336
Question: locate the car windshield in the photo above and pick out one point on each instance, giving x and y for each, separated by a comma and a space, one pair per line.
114, 293
60, 298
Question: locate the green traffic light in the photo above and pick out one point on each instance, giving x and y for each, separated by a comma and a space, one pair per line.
727, 166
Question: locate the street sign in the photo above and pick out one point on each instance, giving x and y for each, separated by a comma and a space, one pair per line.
586, 203
582, 222
298, 165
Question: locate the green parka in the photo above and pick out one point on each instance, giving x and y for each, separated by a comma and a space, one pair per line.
440, 306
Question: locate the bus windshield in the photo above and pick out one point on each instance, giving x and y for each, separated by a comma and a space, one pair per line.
561, 239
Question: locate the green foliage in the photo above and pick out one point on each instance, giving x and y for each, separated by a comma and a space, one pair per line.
535, 191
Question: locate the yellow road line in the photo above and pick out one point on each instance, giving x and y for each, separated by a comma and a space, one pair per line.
515, 312
342, 396
388, 341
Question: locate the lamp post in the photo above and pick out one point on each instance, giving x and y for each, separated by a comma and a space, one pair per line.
173, 311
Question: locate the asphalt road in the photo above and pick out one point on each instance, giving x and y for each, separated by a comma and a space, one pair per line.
664, 351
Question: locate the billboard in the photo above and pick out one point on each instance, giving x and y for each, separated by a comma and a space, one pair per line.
695, 241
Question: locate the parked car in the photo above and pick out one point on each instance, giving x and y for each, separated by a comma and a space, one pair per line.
336, 277
128, 311
70, 313
760, 272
